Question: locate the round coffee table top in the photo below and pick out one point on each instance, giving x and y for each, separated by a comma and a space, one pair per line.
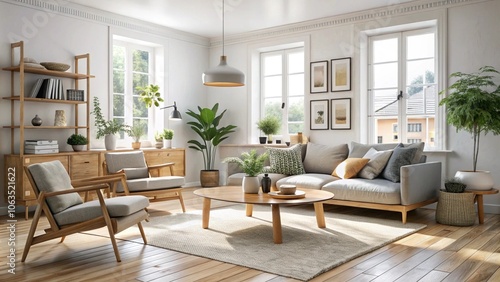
235, 194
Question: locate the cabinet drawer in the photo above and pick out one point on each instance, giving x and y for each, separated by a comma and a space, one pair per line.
167, 156
84, 166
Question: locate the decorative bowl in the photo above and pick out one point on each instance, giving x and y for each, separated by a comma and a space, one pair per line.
55, 66
288, 189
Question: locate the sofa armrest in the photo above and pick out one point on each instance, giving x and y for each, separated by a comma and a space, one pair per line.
420, 182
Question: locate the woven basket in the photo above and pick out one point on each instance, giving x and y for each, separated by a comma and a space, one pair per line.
456, 209
55, 66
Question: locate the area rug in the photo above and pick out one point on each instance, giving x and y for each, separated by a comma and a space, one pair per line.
306, 251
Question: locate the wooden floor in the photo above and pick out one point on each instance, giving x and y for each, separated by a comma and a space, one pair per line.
436, 253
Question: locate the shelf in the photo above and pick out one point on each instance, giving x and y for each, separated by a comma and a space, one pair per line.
46, 127
50, 72
42, 100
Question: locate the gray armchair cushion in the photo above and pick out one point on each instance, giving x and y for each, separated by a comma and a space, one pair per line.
120, 160
52, 177
323, 158
136, 172
152, 183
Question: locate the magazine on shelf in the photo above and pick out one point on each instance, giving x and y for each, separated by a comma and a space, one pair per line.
41, 151
46, 146
40, 142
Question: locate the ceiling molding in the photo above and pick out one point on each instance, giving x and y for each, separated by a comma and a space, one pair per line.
379, 14
66, 8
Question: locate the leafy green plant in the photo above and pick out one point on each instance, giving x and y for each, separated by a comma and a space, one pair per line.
474, 105
454, 185
167, 134
206, 125
159, 136
105, 127
136, 131
150, 95
269, 125
251, 163
77, 139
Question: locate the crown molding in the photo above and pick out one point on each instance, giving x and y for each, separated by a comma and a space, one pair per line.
65, 8
380, 14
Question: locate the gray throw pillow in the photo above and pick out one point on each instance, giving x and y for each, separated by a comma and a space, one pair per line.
418, 154
377, 163
136, 172
401, 156
324, 158
286, 161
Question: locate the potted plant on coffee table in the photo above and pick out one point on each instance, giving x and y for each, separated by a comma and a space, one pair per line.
251, 164
269, 126
206, 126
77, 141
473, 105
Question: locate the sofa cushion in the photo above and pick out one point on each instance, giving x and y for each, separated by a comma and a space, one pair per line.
350, 167
136, 172
363, 190
152, 183
401, 156
377, 163
358, 150
308, 180
286, 161
324, 158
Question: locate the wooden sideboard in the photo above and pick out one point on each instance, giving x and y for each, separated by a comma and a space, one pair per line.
79, 165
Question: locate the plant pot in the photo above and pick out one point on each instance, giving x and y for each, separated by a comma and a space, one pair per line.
167, 143
77, 148
110, 142
209, 178
456, 209
250, 184
263, 139
476, 180
159, 144
136, 145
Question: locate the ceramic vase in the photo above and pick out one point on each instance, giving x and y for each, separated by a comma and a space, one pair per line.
36, 121
60, 118
110, 142
266, 183
250, 184
77, 148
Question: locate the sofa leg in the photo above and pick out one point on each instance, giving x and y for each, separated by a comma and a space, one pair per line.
403, 214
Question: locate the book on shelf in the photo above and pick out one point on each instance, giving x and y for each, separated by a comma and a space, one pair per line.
75, 95
41, 151
45, 146
36, 88
40, 142
50, 88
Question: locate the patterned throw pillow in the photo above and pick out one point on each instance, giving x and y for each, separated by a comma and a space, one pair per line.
286, 161
350, 167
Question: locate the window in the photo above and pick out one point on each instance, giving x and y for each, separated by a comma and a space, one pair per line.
132, 67
282, 88
403, 86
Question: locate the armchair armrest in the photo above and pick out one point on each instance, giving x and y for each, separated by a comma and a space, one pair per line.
420, 182
157, 168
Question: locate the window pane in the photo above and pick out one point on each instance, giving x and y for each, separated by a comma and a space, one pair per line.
140, 61
118, 81
386, 129
121, 134
385, 50
423, 101
296, 85
421, 128
420, 72
118, 105
296, 109
296, 62
140, 80
140, 109
118, 57
420, 46
385, 102
272, 65
385, 75
272, 107
272, 86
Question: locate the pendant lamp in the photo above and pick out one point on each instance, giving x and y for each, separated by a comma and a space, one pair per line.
223, 75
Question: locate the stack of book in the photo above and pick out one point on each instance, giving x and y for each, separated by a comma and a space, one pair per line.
75, 95
48, 88
41, 147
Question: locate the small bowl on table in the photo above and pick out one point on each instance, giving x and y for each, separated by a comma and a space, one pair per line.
288, 189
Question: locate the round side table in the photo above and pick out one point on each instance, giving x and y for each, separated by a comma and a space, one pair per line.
478, 197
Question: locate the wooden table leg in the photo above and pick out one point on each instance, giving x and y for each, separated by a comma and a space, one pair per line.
480, 208
249, 209
277, 235
320, 215
206, 212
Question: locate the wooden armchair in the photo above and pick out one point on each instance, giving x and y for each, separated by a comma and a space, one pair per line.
138, 177
68, 214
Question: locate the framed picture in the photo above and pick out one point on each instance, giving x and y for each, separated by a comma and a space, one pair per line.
319, 77
341, 113
341, 74
319, 115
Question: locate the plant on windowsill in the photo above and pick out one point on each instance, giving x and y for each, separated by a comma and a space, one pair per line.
77, 141
269, 125
251, 164
474, 106
167, 136
136, 131
106, 128
159, 140
150, 95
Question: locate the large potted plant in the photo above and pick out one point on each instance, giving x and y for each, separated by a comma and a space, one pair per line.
251, 164
473, 105
106, 128
269, 126
206, 125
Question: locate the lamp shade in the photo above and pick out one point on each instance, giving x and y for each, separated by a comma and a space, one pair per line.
175, 114
223, 75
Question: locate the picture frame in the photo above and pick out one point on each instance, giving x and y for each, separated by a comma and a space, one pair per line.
319, 77
341, 113
341, 74
319, 112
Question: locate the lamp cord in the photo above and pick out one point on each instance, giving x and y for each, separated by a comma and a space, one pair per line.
223, 9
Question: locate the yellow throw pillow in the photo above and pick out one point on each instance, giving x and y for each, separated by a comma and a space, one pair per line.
350, 167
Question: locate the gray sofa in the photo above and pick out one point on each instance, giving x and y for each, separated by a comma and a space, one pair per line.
413, 183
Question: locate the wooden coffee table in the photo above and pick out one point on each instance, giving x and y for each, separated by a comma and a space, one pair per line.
235, 194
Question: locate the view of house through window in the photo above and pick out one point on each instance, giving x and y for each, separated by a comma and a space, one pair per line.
132, 68
403, 87
282, 89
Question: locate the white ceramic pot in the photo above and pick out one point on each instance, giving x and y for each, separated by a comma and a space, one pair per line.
110, 141
476, 180
167, 143
250, 184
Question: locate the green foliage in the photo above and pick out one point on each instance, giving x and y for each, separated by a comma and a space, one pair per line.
77, 139
269, 125
105, 127
149, 95
167, 134
474, 105
158, 136
136, 131
454, 185
206, 125
251, 163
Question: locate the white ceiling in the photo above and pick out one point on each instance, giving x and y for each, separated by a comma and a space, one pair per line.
203, 17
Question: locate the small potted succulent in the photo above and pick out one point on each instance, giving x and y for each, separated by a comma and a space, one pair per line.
77, 141
159, 140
